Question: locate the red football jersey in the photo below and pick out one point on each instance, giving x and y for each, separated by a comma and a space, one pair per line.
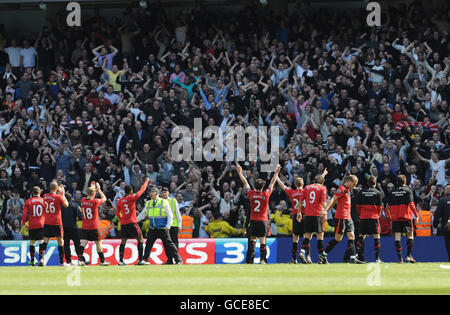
53, 204
314, 196
259, 204
89, 213
344, 208
34, 208
294, 197
126, 207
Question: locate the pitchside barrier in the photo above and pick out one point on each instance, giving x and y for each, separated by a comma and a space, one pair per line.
220, 251
426, 249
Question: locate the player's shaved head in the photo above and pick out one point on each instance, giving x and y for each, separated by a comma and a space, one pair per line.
36, 191
90, 191
259, 184
298, 182
53, 186
319, 179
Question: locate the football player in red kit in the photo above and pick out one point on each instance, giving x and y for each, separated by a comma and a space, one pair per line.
33, 211
297, 226
402, 209
89, 213
126, 212
53, 221
314, 199
343, 220
259, 208
369, 205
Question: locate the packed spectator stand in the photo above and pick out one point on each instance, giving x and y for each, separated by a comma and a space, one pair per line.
99, 103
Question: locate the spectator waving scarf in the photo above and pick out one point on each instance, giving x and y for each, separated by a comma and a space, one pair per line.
88, 124
401, 124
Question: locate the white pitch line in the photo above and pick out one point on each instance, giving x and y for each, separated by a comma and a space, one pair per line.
445, 267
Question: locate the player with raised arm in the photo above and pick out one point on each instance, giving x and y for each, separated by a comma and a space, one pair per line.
343, 220
53, 220
33, 212
313, 200
369, 206
126, 212
259, 208
297, 226
89, 212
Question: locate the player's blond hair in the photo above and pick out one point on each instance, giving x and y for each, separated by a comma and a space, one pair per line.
319, 179
91, 191
298, 182
36, 191
353, 179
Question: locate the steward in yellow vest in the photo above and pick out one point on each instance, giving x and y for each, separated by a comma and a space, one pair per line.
160, 216
176, 223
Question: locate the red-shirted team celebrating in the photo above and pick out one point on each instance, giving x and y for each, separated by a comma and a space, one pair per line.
45, 221
309, 213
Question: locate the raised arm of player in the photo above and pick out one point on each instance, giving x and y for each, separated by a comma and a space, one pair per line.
62, 192
100, 192
143, 188
241, 176
280, 182
275, 177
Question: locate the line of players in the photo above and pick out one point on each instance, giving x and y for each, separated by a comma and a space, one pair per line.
309, 209
45, 222
309, 212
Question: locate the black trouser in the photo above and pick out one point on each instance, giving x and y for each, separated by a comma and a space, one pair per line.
74, 235
169, 247
447, 243
174, 237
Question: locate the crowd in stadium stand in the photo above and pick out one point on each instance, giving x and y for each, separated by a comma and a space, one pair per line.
99, 102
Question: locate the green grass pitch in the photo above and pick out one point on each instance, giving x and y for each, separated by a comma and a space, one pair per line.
424, 278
